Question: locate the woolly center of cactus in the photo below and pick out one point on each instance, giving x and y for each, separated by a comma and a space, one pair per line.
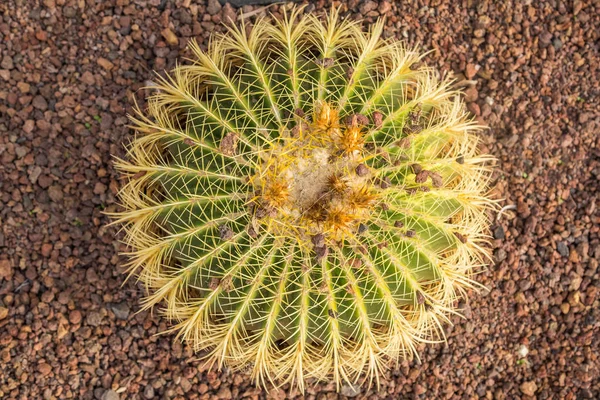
315, 180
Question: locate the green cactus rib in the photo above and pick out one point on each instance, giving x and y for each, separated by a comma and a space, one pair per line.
305, 198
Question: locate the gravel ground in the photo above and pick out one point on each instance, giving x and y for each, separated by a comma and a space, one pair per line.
69, 70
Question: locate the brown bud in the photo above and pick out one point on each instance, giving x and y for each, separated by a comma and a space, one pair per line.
321, 252
377, 119
461, 237
214, 283
325, 62
436, 179
362, 228
385, 183
318, 240
349, 73
416, 168
404, 143
229, 143
361, 170
422, 176
139, 174
225, 232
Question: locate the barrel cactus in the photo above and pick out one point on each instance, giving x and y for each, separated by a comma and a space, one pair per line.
305, 199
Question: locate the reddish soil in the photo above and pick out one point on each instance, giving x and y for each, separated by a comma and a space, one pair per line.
69, 70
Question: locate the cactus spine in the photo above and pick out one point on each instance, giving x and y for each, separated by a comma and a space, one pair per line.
303, 198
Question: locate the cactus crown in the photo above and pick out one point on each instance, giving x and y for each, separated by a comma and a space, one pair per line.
303, 198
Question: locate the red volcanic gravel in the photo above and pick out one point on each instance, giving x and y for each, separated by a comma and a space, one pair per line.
69, 72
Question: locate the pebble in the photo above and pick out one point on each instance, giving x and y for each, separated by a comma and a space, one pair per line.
104, 63
110, 395
93, 318
75, 317
214, 6
562, 248
349, 390
121, 310
528, 388
40, 103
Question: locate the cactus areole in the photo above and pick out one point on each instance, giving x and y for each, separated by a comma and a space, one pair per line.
305, 199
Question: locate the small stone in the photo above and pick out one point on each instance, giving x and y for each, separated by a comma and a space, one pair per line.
419, 389
69, 12
94, 318
6, 271
28, 126
384, 7
349, 390
471, 94
3, 313
471, 70
367, 6
528, 388
40, 103
23, 87
228, 14
499, 233
75, 317
99, 188
110, 395
55, 192
170, 37
7, 63
224, 393
185, 384
565, 308
46, 249
104, 63
213, 7
44, 369
562, 249
91, 276
500, 255
41, 36
148, 392
121, 310
523, 351
88, 78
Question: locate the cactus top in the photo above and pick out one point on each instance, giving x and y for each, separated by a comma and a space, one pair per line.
305, 199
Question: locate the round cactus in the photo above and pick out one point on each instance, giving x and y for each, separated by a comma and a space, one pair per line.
305, 199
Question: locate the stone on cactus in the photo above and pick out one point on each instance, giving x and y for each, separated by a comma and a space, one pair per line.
305, 198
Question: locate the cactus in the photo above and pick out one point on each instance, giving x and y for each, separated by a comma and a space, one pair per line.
306, 199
